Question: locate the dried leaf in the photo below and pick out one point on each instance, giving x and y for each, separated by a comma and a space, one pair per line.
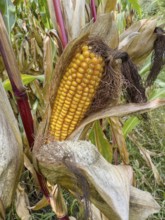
57, 202
2, 211
110, 185
11, 156
106, 6
105, 28
30, 167
138, 40
119, 111
41, 204
74, 17
22, 204
146, 156
48, 62
142, 205
118, 138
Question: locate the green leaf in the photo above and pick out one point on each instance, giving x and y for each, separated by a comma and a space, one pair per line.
26, 80
136, 6
8, 11
129, 125
157, 93
98, 138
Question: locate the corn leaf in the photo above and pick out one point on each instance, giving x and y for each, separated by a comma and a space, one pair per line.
157, 93
129, 125
135, 5
98, 138
8, 11
26, 79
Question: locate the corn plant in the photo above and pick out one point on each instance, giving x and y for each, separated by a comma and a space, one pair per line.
95, 72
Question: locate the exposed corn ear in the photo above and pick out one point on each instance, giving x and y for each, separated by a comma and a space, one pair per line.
76, 92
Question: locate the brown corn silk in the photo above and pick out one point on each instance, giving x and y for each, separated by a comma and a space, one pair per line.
158, 56
89, 83
133, 88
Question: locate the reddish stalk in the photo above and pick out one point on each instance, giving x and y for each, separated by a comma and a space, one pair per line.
60, 22
93, 10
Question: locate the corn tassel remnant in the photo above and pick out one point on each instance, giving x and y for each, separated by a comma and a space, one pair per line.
76, 92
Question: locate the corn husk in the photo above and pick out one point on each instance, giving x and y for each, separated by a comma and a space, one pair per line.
138, 40
11, 156
110, 186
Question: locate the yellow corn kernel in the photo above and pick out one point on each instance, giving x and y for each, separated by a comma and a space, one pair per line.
76, 92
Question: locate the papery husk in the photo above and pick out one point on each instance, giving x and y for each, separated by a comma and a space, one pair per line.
11, 151
106, 29
109, 185
74, 17
138, 40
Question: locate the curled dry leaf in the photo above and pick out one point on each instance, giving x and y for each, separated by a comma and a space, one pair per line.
142, 204
57, 202
146, 156
22, 204
11, 156
109, 185
118, 111
41, 204
138, 40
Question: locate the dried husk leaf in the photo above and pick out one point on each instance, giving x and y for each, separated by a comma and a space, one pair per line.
29, 166
11, 155
106, 29
138, 40
57, 202
74, 17
142, 204
106, 6
118, 138
22, 204
109, 185
2, 211
48, 63
41, 204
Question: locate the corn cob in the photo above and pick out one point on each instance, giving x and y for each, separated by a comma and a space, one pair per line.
76, 92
